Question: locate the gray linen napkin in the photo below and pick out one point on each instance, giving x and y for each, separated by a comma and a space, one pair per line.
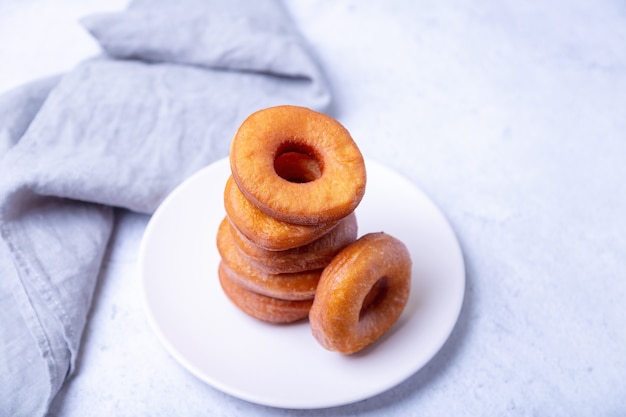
121, 130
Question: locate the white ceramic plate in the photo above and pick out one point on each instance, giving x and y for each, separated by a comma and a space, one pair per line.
283, 365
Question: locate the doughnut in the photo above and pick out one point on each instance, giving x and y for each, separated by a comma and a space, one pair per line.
272, 310
295, 286
361, 293
266, 135
315, 255
263, 230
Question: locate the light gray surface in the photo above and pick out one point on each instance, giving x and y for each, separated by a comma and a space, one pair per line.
511, 117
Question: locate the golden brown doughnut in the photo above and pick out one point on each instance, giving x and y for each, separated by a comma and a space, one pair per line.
315, 255
261, 307
263, 230
268, 134
296, 286
361, 293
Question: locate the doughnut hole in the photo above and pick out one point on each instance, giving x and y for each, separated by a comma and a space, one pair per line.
374, 297
297, 164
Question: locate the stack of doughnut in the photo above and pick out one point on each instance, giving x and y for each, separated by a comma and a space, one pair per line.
289, 242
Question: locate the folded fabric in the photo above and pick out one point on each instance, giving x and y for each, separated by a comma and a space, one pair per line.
121, 130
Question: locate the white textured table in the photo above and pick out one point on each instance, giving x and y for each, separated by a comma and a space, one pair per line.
511, 116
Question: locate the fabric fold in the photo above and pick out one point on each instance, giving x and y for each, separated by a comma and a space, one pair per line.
122, 130
155, 35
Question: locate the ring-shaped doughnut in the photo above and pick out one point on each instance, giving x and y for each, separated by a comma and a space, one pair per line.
265, 231
315, 255
261, 307
361, 293
294, 286
267, 134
